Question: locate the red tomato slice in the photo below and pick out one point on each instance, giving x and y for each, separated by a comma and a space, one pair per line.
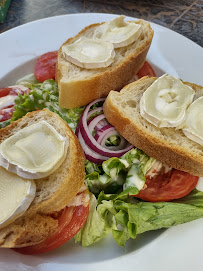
146, 70
7, 107
45, 67
168, 186
69, 223
6, 113
4, 92
14, 91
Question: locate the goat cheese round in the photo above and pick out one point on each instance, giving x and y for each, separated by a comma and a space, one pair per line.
193, 126
164, 103
34, 152
89, 53
119, 32
16, 195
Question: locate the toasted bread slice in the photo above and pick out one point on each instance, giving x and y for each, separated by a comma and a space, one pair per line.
53, 193
79, 86
168, 145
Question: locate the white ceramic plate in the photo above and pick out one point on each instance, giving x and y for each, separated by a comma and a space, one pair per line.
178, 248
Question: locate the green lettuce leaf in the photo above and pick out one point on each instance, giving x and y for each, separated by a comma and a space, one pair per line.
92, 167
113, 140
99, 222
127, 217
117, 174
45, 95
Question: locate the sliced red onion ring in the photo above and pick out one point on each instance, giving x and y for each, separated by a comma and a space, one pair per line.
77, 130
100, 124
94, 121
90, 154
102, 132
94, 151
93, 111
115, 148
92, 143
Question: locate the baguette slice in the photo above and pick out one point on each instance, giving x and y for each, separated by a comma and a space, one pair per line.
79, 86
167, 145
53, 192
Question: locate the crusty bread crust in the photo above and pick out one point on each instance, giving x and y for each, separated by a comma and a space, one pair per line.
54, 192
27, 231
168, 145
75, 91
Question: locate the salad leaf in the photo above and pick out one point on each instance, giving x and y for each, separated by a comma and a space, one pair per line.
137, 156
113, 166
96, 182
113, 140
45, 95
99, 222
135, 177
126, 218
92, 167
119, 173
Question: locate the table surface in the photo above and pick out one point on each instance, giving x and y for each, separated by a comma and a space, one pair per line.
182, 16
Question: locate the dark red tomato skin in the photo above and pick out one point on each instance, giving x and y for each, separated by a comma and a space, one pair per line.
6, 113
4, 92
45, 67
146, 70
69, 223
166, 187
14, 91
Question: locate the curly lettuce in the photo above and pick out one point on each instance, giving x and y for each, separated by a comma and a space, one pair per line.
119, 173
45, 95
128, 217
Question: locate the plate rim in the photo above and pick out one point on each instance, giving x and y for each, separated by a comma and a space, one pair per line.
95, 14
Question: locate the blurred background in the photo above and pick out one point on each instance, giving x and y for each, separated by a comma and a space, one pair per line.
182, 16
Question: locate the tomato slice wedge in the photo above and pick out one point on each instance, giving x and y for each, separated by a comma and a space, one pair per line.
45, 67
69, 223
7, 106
168, 186
146, 70
4, 92
6, 113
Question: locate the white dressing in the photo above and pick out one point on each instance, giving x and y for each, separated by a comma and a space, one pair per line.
89, 53
165, 102
34, 152
133, 180
16, 195
193, 126
119, 32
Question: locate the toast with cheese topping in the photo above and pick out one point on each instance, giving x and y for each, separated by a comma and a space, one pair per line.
168, 145
79, 86
53, 193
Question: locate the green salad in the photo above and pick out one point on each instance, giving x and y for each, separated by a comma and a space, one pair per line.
113, 207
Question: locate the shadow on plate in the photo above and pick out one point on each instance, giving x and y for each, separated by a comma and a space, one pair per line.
17, 73
74, 254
